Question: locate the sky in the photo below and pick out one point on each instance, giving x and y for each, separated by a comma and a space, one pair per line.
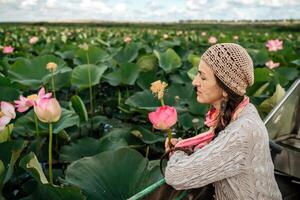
147, 10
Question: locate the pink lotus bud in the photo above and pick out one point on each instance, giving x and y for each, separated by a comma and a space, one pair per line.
8, 50
212, 40
127, 39
33, 40
48, 110
236, 37
163, 118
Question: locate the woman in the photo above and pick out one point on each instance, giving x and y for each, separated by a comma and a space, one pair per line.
237, 160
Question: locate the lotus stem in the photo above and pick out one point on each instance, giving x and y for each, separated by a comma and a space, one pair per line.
8, 138
169, 137
127, 92
162, 102
147, 151
53, 84
50, 153
119, 96
87, 58
91, 92
36, 125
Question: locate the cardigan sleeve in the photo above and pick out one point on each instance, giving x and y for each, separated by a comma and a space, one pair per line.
224, 157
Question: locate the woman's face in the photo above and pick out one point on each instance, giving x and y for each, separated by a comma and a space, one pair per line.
208, 91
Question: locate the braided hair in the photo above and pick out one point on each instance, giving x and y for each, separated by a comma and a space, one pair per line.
227, 107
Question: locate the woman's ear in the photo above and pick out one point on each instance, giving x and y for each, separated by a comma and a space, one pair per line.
225, 95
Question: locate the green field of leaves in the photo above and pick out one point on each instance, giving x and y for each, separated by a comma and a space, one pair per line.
104, 146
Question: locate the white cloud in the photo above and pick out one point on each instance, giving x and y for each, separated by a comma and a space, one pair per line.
120, 8
93, 5
269, 3
175, 10
51, 3
7, 1
154, 5
195, 4
147, 10
28, 3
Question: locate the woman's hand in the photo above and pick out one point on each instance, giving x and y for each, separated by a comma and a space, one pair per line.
174, 141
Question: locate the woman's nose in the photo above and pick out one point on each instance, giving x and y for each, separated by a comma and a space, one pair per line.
196, 81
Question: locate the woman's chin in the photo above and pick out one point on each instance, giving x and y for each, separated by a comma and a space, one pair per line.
200, 100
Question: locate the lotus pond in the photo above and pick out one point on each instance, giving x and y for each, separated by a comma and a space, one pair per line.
103, 145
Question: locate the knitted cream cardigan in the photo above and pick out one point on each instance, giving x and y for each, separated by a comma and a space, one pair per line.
238, 162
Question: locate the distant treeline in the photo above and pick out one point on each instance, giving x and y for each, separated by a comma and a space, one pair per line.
270, 25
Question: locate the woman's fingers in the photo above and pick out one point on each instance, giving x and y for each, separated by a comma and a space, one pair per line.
173, 142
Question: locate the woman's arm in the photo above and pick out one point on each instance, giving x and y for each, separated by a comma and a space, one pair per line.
224, 157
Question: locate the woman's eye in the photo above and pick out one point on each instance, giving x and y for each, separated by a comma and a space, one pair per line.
202, 78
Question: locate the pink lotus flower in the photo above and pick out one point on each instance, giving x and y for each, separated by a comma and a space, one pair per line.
25, 103
165, 36
33, 40
127, 39
163, 118
8, 50
7, 113
178, 33
274, 45
271, 65
212, 40
48, 110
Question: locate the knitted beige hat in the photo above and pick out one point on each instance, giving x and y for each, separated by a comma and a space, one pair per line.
232, 65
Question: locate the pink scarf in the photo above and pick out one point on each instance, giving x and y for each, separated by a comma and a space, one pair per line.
211, 120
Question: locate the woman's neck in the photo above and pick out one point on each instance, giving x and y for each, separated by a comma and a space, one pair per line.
217, 105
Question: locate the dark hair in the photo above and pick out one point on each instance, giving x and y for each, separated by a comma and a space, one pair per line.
227, 107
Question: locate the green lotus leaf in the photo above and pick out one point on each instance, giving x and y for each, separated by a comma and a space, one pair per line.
262, 75
80, 148
6, 132
259, 57
128, 54
115, 174
126, 75
194, 60
44, 190
146, 78
146, 136
143, 100
93, 55
147, 63
286, 74
269, 103
169, 60
2, 170
9, 91
9, 153
79, 108
192, 72
33, 73
85, 75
